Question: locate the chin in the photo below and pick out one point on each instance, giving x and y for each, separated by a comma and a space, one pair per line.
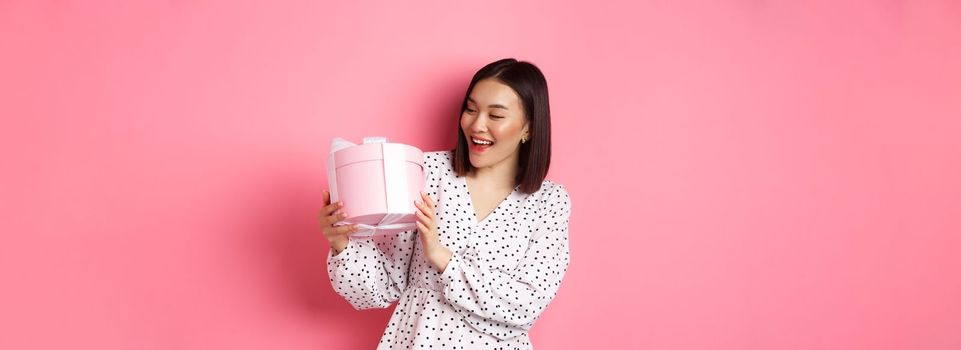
484, 161
479, 161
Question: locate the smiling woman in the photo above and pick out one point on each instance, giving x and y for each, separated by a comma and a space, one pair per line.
492, 246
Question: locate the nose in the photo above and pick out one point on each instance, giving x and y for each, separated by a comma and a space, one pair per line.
477, 125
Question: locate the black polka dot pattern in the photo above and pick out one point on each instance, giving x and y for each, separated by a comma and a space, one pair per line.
505, 270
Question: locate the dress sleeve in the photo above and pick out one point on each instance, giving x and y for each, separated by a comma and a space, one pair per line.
506, 304
371, 272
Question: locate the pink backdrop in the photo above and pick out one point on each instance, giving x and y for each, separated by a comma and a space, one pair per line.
745, 174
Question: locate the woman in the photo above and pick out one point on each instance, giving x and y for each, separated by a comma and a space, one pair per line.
493, 245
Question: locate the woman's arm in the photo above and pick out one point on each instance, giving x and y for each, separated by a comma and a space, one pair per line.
371, 272
505, 304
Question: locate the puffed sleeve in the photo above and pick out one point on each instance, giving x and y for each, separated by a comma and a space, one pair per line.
506, 304
371, 272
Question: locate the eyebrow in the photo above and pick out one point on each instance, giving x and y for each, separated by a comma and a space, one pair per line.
490, 106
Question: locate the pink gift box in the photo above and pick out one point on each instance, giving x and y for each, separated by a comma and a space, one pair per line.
378, 183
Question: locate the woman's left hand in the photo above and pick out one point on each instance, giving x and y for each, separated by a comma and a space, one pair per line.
435, 252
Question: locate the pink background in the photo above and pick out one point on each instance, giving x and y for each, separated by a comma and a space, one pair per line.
745, 174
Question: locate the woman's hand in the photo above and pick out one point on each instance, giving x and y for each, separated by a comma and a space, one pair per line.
336, 235
434, 251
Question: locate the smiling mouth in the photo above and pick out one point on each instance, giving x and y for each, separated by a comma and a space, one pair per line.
481, 143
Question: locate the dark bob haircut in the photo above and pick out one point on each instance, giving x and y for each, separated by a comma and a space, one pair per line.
535, 155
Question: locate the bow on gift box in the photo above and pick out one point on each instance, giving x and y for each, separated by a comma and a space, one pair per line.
395, 183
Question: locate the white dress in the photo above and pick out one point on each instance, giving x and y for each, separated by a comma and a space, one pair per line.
504, 271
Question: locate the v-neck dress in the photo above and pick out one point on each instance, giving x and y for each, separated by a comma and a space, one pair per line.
504, 272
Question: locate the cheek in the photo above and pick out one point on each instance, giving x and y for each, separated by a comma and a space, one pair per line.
506, 130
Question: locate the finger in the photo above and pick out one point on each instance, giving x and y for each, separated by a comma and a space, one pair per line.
427, 199
421, 217
331, 208
345, 229
332, 219
427, 209
420, 206
326, 198
423, 229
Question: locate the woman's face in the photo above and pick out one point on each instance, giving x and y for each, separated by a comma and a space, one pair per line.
494, 114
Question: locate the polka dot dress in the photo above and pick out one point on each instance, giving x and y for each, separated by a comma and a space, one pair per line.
504, 271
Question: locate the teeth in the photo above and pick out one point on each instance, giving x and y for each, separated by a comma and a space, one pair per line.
481, 142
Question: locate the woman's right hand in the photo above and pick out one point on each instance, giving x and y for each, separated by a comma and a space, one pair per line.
336, 235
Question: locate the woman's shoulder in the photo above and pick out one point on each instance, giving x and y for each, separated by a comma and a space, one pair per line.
437, 165
438, 160
552, 193
438, 157
551, 204
550, 186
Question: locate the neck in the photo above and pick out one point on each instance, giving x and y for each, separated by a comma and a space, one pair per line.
499, 175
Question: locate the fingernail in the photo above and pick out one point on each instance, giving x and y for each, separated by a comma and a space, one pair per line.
340, 204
